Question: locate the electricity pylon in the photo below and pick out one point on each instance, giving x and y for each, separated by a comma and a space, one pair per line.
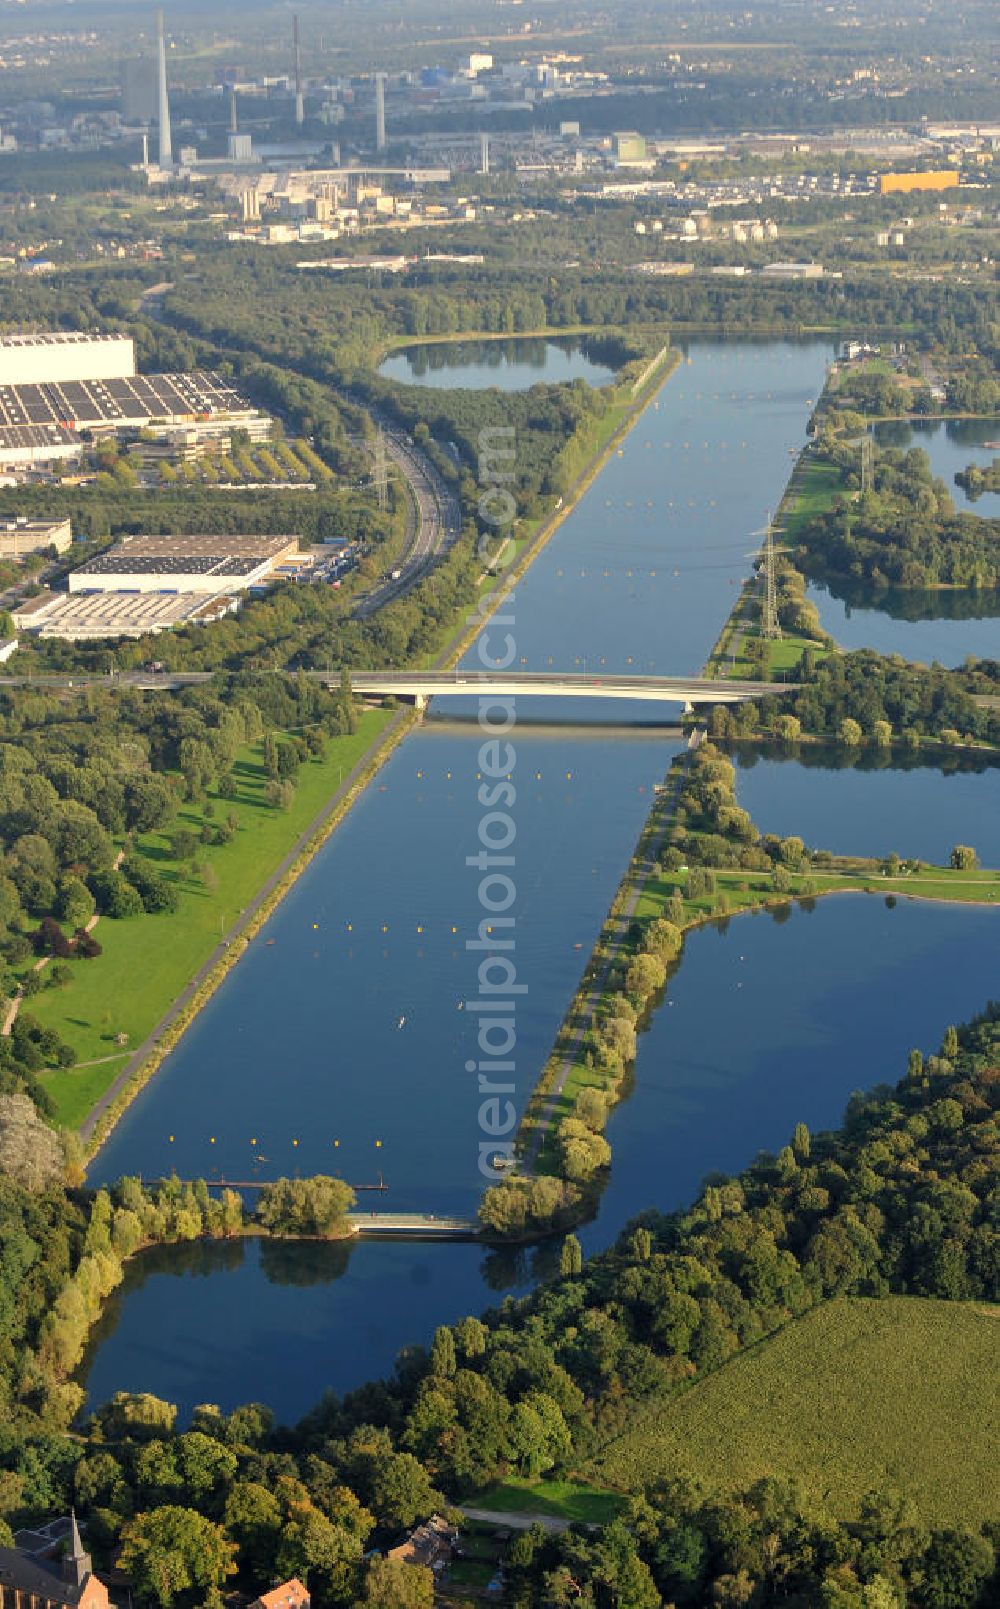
380, 477
769, 626
867, 462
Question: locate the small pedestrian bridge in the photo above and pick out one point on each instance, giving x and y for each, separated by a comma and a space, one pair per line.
416, 687
412, 1226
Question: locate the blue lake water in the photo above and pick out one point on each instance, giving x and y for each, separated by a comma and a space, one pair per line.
338, 1044
768, 1022
873, 808
511, 364
951, 445
645, 570
774, 1019
924, 626
342, 1023
301, 1043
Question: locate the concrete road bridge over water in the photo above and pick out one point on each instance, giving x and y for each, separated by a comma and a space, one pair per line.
418, 687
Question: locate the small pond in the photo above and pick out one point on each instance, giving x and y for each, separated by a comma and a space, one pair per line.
513, 364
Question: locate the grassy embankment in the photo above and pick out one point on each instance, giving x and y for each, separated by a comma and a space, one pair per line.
811, 490
859, 1393
544, 1113
746, 891
147, 961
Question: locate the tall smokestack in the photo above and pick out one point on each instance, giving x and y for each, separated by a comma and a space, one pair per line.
380, 111
484, 156
233, 125
163, 115
299, 104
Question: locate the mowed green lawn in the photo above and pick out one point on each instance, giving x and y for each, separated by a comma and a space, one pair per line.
859, 1393
565, 1500
815, 484
148, 960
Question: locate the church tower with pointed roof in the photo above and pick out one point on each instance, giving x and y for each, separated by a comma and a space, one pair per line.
77, 1565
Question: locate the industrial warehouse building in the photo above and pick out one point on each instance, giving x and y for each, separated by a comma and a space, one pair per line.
53, 387
153, 583
21, 536
197, 564
83, 616
60, 355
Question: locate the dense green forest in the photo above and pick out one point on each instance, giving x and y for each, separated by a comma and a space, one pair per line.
254, 301
917, 703
899, 1200
101, 512
902, 530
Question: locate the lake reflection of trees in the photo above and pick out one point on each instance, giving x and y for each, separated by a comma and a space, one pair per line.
914, 604
282, 1262
972, 432
914, 432
198, 1258
304, 1262
525, 352
832, 757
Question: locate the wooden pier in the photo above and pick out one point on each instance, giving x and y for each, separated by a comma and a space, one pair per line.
223, 1183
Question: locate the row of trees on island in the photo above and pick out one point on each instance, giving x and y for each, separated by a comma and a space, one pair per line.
976, 479
863, 699
709, 834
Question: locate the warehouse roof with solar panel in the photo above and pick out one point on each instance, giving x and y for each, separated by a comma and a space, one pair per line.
58, 384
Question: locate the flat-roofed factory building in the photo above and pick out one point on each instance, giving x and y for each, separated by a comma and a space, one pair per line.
131, 402
89, 616
20, 536
56, 386
201, 564
61, 355
148, 584
904, 183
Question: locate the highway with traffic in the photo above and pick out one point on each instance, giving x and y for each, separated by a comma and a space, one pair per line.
434, 524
